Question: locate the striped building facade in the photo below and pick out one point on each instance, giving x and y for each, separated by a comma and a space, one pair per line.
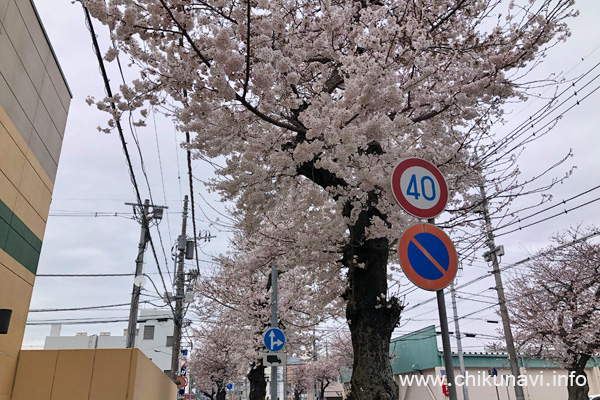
34, 102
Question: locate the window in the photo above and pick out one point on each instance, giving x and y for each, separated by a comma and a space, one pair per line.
169, 341
149, 332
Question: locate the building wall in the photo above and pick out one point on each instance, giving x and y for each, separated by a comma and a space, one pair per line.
34, 102
116, 374
155, 349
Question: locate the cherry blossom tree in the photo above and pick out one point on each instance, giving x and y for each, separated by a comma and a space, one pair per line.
238, 294
340, 349
328, 96
298, 380
322, 372
555, 306
213, 363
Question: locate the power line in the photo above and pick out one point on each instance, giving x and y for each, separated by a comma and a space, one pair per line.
80, 275
162, 178
510, 266
92, 321
536, 117
81, 308
519, 220
96, 48
550, 217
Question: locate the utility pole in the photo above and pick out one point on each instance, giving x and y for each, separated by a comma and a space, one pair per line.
461, 359
180, 278
492, 255
274, 324
145, 219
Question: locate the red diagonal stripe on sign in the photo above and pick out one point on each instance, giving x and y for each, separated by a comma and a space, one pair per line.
429, 256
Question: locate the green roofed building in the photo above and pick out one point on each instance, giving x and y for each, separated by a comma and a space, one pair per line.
419, 370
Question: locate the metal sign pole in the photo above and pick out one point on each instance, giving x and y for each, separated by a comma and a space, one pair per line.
446, 344
421, 190
441, 301
274, 325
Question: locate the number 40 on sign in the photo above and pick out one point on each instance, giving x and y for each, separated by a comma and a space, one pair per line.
419, 188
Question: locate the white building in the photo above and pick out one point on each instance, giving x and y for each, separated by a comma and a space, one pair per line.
154, 338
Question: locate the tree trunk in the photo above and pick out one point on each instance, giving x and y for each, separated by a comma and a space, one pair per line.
371, 317
258, 384
297, 394
577, 383
221, 394
323, 386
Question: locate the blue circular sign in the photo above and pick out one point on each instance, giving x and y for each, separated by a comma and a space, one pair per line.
274, 339
229, 386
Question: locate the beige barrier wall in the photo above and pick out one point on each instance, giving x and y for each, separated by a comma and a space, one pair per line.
101, 374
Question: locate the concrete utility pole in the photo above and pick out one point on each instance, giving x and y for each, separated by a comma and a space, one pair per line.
492, 255
146, 217
180, 278
461, 359
274, 324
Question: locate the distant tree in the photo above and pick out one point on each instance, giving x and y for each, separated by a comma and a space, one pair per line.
330, 95
214, 362
299, 380
555, 306
238, 293
340, 349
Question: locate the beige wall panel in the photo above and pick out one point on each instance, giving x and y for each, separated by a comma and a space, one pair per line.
32, 187
44, 126
9, 124
31, 217
12, 160
43, 155
12, 70
11, 342
21, 39
7, 127
8, 366
4, 397
18, 117
13, 265
6, 124
39, 169
8, 191
73, 375
150, 382
15, 294
110, 379
35, 374
52, 102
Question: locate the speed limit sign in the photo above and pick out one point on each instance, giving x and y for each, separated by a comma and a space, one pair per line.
419, 188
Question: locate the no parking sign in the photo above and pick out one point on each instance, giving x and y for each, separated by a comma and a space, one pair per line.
428, 257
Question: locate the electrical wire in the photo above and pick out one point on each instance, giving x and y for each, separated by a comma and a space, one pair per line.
550, 217
38, 310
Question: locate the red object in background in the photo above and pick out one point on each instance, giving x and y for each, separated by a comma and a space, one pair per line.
445, 390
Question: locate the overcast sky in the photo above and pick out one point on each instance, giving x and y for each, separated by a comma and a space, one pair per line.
93, 178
